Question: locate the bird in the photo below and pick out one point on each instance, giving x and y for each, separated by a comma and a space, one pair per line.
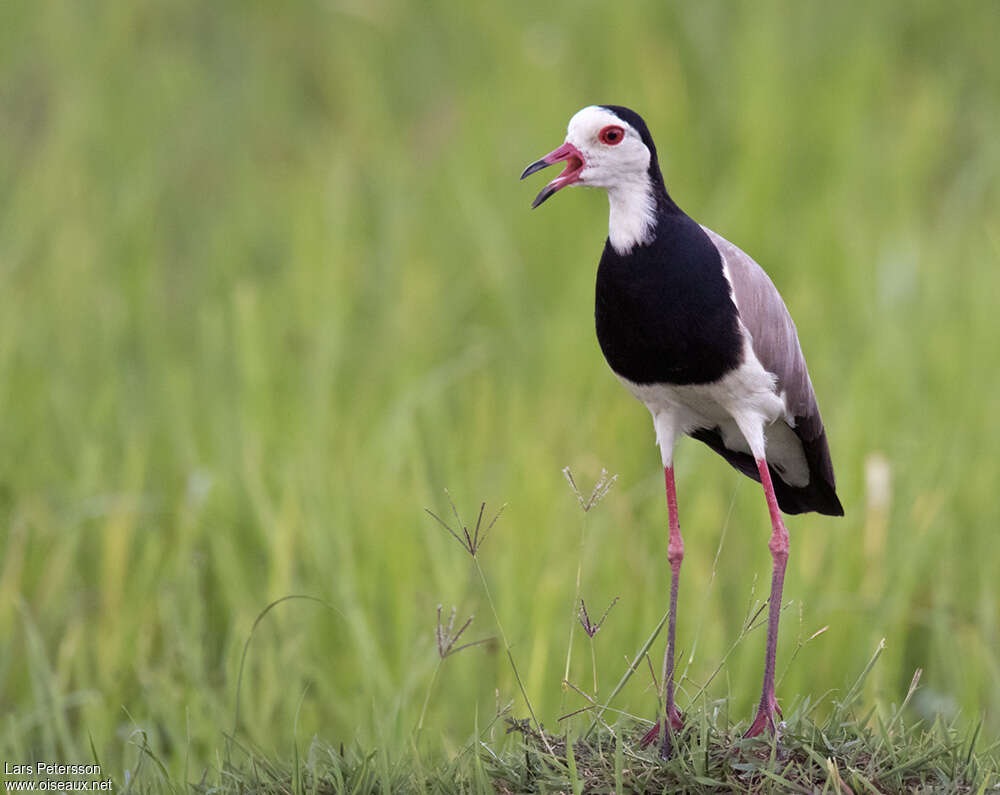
696, 330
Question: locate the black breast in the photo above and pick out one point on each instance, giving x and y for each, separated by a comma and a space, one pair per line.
663, 311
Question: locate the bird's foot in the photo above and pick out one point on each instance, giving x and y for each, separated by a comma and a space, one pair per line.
676, 723
765, 718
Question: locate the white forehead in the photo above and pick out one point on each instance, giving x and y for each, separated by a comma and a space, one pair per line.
589, 121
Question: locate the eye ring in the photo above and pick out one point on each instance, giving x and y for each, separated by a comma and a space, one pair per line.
612, 135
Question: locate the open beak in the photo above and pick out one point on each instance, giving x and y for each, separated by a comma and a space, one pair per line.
574, 165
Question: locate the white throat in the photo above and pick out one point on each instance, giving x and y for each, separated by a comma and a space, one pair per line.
633, 213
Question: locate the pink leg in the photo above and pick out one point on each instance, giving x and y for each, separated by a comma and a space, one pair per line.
675, 554
779, 554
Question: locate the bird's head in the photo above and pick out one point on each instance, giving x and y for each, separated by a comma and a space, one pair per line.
607, 146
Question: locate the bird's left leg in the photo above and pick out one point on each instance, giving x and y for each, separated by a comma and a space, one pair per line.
778, 545
665, 436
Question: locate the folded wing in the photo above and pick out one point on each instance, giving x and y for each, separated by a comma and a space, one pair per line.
776, 344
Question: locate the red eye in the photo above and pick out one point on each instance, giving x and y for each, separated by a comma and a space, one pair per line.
611, 135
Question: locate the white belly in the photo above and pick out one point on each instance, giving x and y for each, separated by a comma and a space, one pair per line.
745, 398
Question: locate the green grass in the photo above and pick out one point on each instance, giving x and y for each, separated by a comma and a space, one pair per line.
809, 759
270, 284
845, 753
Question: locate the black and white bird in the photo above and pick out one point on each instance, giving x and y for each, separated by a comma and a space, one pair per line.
696, 330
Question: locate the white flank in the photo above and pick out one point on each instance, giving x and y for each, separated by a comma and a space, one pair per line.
744, 407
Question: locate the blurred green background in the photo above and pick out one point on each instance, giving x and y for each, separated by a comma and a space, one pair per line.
270, 284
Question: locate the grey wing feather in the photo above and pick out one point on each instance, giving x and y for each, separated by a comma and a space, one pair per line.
776, 344
775, 339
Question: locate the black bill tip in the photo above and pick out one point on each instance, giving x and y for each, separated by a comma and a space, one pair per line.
547, 191
534, 168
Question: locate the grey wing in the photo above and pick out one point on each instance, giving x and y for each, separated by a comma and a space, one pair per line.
776, 344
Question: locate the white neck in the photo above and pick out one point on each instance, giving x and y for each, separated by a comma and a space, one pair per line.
633, 214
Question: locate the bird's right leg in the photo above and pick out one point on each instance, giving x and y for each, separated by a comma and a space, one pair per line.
752, 429
665, 435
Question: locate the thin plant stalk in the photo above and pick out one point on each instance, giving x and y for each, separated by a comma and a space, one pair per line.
591, 629
593, 663
447, 637
430, 688
600, 490
510, 655
576, 601
711, 580
628, 672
